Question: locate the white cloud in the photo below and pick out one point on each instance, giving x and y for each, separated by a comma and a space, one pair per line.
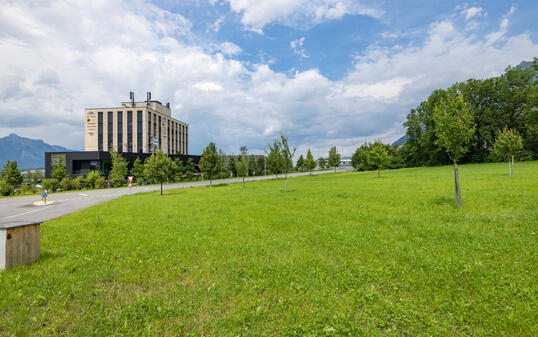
297, 46
61, 57
256, 14
230, 48
472, 12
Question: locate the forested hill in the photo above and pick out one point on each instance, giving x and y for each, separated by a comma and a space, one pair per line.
29, 153
506, 101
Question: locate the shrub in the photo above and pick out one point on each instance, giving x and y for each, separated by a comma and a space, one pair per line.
50, 185
99, 182
28, 189
5, 188
79, 183
90, 179
67, 184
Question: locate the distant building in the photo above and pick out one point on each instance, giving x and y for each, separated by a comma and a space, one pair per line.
135, 127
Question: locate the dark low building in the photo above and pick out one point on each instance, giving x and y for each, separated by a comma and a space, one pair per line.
81, 163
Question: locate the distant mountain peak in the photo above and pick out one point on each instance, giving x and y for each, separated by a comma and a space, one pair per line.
29, 153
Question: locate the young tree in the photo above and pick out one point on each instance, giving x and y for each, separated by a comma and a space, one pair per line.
138, 170
454, 128
242, 168
119, 169
11, 174
334, 158
210, 164
322, 162
232, 166
508, 144
158, 168
379, 157
274, 158
300, 163
287, 157
59, 172
310, 163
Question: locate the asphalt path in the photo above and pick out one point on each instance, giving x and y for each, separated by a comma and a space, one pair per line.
23, 209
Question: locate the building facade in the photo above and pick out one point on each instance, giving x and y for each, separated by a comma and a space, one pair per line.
135, 127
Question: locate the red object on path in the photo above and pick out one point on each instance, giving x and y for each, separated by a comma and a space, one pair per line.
130, 181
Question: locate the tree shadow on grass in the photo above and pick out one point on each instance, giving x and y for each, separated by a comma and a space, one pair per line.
442, 201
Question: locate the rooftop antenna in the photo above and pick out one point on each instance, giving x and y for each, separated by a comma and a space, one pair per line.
148, 98
168, 105
131, 94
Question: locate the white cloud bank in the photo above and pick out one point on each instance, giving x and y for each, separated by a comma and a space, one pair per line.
61, 57
255, 14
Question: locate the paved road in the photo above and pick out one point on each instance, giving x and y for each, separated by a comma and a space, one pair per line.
23, 208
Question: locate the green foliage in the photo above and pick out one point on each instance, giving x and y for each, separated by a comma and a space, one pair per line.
58, 171
138, 170
232, 166
158, 168
334, 158
28, 189
50, 185
508, 143
322, 162
300, 163
378, 157
343, 255
5, 188
242, 168
509, 100
211, 163
274, 157
99, 182
190, 169
92, 178
454, 126
287, 153
310, 163
119, 170
79, 183
11, 174
67, 184
260, 166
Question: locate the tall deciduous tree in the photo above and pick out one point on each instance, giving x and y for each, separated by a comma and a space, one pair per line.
322, 162
232, 166
138, 170
274, 158
59, 172
210, 164
507, 145
334, 158
454, 128
287, 157
119, 169
310, 163
378, 157
158, 168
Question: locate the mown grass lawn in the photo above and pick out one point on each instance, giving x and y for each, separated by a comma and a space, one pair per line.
338, 255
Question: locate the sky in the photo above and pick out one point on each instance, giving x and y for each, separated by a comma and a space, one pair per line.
240, 72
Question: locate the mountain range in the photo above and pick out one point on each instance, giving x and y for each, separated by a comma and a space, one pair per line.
29, 153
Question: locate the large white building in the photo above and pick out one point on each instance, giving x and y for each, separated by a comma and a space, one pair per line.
135, 127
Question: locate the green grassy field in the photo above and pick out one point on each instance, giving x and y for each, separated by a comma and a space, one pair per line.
338, 255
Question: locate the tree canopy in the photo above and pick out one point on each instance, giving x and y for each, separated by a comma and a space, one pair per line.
158, 168
211, 163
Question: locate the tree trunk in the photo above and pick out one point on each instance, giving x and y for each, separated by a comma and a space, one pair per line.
286, 183
310, 172
457, 190
378, 174
512, 165
210, 182
243, 182
509, 167
335, 169
161, 188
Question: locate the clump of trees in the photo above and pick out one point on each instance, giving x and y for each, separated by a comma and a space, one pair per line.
10, 177
506, 101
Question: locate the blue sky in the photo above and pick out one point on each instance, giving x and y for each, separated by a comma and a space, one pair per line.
325, 72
